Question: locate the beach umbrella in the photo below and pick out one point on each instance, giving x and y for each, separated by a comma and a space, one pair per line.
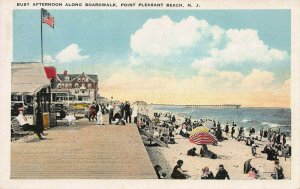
201, 135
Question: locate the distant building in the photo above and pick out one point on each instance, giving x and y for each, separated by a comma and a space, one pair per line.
75, 88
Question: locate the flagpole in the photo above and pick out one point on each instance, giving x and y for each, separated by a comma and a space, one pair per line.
42, 55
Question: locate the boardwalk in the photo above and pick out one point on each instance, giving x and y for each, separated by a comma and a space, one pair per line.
86, 151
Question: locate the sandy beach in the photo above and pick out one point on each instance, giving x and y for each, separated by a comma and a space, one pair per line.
231, 153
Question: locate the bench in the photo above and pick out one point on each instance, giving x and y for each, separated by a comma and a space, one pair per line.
18, 132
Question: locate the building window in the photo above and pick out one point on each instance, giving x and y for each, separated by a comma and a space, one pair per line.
66, 85
82, 92
76, 85
67, 79
83, 80
79, 79
59, 86
76, 90
70, 85
89, 85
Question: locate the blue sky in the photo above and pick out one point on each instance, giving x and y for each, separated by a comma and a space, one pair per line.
106, 41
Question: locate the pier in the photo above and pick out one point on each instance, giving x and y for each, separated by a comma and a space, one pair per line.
235, 106
85, 151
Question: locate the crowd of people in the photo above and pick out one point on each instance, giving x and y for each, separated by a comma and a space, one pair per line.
117, 114
168, 126
180, 173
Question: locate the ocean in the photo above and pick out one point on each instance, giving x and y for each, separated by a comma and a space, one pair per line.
246, 117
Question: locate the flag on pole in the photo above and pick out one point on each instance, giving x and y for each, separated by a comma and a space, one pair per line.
47, 18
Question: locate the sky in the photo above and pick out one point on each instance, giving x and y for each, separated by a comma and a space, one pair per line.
167, 56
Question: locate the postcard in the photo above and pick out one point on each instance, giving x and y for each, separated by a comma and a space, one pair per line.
142, 94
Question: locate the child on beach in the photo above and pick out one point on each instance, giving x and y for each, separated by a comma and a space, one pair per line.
192, 152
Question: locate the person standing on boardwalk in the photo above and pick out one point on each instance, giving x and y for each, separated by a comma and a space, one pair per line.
99, 114
127, 112
122, 106
110, 113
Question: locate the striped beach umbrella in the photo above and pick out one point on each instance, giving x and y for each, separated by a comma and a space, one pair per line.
201, 135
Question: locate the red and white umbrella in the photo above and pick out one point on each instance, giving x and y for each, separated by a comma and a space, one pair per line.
201, 135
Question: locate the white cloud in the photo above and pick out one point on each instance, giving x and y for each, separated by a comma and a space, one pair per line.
70, 53
48, 59
211, 46
258, 80
163, 37
245, 45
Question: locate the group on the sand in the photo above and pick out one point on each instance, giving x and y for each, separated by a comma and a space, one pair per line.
167, 125
179, 173
118, 114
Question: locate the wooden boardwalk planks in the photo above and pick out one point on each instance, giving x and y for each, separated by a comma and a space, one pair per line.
86, 151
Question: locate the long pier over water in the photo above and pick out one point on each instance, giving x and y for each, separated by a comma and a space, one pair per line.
199, 106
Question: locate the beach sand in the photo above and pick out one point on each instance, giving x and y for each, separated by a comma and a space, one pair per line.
231, 153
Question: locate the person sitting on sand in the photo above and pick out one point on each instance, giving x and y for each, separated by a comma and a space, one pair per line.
204, 152
207, 174
171, 138
278, 171
271, 153
192, 152
179, 173
159, 173
253, 173
184, 133
222, 173
247, 166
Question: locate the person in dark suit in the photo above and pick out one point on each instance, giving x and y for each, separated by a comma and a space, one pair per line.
222, 173
127, 112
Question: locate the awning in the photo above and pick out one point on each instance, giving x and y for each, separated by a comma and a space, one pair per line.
28, 78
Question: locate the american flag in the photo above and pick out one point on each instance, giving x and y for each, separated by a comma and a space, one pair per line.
47, 18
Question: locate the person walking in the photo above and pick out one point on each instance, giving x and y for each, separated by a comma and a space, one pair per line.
110, 113
127, 112
99, 114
